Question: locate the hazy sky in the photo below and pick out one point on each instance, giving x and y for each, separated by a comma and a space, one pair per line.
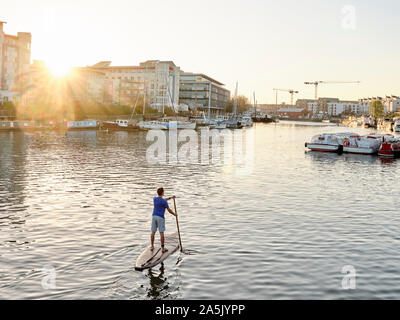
263, 44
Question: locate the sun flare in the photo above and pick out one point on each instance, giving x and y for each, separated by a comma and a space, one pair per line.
59, 70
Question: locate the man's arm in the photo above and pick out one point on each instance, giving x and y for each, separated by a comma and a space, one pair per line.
173, 197
171, 212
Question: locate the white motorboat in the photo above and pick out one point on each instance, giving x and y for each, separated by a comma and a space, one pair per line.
182, 125
165, 125
360, 144
217, 124
153, 125
246, 121
119, 125
396, 126
346, 142
325, 142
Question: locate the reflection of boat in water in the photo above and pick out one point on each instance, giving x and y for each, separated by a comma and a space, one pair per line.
330, 157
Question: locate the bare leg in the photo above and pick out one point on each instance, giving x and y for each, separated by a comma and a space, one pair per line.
162, 242
152, 240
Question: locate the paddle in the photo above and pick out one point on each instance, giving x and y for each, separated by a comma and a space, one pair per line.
177, 225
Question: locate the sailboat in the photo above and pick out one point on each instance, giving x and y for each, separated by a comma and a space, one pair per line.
234, 122
165, 124
122, 124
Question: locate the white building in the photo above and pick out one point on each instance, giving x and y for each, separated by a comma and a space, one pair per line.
15, 56
390, 103
89, 85
157, 80
333, 107
312, 107
203, 93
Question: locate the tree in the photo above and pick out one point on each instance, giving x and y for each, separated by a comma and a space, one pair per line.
243, 104
376, 108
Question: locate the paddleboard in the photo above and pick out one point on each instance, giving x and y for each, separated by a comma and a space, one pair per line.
150, 258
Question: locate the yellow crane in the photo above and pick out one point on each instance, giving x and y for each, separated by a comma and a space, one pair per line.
291, 91
317, 83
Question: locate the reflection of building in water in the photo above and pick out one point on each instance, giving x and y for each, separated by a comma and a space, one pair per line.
12, 171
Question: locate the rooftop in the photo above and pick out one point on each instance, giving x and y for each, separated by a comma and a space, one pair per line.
142, 65
290, 110
203, 76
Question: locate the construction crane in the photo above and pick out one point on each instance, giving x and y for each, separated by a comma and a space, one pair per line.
291, 91
317, 83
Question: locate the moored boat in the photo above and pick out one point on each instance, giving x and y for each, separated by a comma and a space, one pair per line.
264, 118
22, 125
153, 125
83, 125
246, 121
325, 142
359, 144
389, 149
181, 125
217, 124
165, 125
396, 126
119, 125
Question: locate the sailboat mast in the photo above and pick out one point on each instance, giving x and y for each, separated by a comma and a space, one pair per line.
255, 104
209, 102
144, 97
235, 101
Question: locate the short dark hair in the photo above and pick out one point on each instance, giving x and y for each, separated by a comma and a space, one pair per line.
160, 191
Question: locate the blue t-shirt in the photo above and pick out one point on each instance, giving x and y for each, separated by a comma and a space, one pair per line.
160, 205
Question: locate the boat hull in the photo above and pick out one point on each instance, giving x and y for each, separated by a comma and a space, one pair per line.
84, 129
116, 127
359, 150
322, 147
389, 150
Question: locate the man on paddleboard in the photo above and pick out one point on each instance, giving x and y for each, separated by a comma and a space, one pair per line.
158, 222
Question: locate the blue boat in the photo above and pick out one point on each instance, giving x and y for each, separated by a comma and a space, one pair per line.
83, 125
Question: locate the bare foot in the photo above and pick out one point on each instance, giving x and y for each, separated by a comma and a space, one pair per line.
164, 250
151, 248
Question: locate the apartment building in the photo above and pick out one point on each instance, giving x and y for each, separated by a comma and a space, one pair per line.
390, 103
15, 56
203, 93
157, 80
332, 106
89, 85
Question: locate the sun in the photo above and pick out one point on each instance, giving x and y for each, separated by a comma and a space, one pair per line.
58, 69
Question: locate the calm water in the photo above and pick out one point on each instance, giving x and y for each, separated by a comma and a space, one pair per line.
81, 204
